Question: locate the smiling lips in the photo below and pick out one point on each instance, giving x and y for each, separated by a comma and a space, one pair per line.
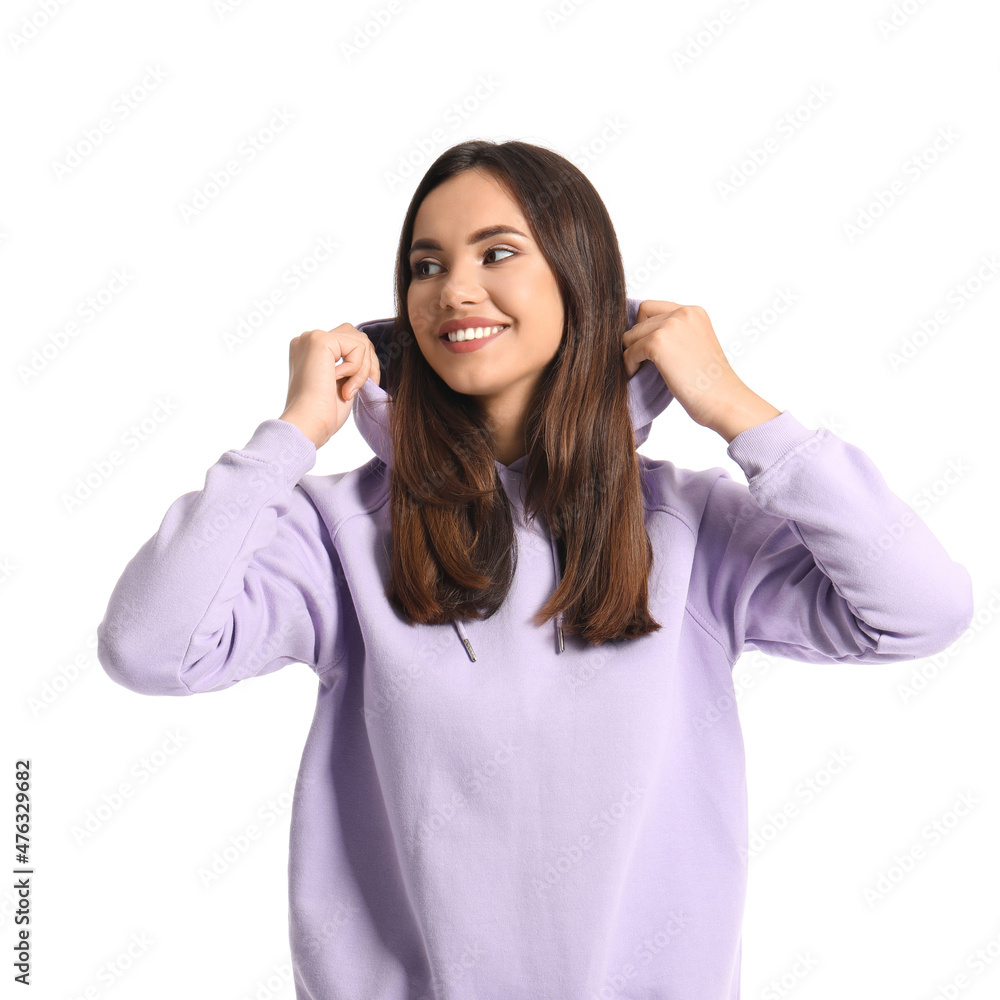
473, 333
471, 338
469, 323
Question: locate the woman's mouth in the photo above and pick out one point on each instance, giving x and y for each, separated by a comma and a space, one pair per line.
464, 341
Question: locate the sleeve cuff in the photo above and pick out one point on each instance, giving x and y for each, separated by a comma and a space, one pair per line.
757, 448
284, 447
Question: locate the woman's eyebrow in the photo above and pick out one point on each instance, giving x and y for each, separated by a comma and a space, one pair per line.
477, 237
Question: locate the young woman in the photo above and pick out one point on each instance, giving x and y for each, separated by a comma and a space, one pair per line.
525, 774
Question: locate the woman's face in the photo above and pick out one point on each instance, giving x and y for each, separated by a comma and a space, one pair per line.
457, 274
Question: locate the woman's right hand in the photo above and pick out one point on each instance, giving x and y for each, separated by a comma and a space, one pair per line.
316, 403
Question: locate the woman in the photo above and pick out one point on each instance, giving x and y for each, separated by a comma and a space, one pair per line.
525, 774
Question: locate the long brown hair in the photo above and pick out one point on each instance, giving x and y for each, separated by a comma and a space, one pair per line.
453, 537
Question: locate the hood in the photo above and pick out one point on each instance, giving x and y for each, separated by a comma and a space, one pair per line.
648, 396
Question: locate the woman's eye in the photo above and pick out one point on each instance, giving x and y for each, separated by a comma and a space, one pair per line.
418, 273
497, 250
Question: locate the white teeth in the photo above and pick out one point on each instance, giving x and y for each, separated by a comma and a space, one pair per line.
474, 333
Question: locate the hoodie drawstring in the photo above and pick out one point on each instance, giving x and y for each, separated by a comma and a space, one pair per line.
465, 640
558, 619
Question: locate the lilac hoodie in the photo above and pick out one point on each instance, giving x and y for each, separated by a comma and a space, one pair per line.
494, 810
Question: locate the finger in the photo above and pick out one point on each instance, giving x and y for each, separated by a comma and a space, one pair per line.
343, 372
646, 324
346, 367
349, 351
655, 307
351, 386
633, 357
364, 365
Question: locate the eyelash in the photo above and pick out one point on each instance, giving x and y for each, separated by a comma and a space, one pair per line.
415, 268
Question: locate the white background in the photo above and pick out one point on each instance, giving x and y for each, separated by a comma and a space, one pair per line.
602, 84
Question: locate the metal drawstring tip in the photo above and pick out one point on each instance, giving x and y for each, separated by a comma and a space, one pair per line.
561, 644
469, 649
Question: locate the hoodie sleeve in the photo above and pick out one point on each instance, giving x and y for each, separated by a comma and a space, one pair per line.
238, 580
817, 560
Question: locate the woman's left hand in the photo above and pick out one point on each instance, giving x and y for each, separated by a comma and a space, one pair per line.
682, 344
